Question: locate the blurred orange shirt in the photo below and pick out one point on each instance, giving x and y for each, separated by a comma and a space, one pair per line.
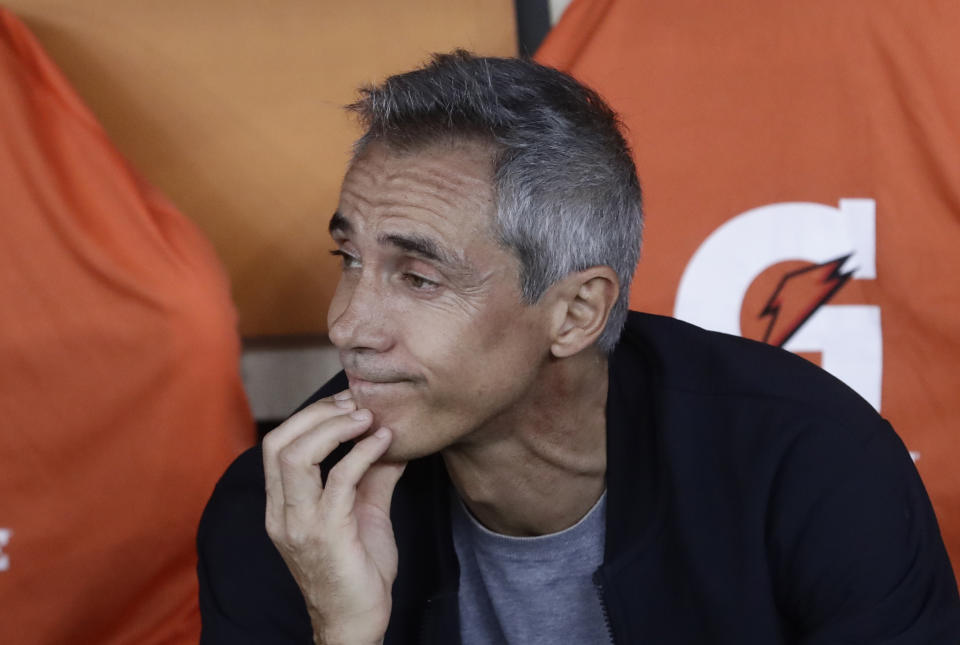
120, 396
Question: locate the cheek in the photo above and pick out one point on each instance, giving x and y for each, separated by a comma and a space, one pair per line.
476, 367
436, 339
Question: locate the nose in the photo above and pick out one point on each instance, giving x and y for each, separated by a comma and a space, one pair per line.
357, 317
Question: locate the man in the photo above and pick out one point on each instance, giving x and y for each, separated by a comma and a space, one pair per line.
510, 457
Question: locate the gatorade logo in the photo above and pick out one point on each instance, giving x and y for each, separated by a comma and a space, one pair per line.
812, 251
798, 296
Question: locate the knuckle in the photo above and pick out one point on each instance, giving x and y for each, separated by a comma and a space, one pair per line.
297, 538
289, 457
300, 537
270, 441
274, 528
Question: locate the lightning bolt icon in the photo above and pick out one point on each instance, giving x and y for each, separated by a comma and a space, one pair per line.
799, 294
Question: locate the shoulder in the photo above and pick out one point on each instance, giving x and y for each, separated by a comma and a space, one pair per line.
247, 594
231, 532
695, 360
746, 409
246, 591
233, 520
851, 542
239, 495
718, 381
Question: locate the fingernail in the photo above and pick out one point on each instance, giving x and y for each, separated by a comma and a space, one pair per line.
360, 415
346, 404
382, 433
343, 396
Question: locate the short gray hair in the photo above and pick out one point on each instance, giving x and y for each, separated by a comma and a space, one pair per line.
567, 189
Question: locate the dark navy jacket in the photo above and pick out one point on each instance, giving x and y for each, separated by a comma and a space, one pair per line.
751, 498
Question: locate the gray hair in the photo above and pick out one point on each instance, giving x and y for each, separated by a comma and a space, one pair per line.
567, 189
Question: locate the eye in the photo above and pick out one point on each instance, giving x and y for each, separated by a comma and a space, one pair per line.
419, 283
347, 261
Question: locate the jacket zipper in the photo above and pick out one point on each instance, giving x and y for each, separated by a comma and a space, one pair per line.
603, 606
423, 622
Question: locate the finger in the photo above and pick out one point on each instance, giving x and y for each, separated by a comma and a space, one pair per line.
344, 478
277, 439
297, 424
298, 462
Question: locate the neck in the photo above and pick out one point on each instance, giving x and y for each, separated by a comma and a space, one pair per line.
542, 467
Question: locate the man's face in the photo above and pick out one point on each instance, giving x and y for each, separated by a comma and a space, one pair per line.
428, 315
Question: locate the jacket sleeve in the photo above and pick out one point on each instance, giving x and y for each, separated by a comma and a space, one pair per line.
855, 547
247, 594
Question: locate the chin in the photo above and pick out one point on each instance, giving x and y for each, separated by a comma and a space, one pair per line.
392, 419
402, 450
383, 416
411, 440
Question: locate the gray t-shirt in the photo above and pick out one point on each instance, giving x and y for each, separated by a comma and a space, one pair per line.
530, 590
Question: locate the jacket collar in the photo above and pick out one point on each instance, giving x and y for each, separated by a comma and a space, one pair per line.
633, 482
425, 592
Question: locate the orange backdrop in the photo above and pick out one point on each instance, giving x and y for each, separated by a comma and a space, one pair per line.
801, 163
233, 108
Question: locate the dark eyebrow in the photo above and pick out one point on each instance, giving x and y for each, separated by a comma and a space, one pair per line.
340, 223
424, 247
416, 244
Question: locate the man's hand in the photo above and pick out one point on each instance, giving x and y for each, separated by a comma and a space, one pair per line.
336, 539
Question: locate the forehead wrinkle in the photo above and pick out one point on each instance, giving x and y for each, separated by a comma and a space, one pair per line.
437, 182
451, 189
434, 180
394, 199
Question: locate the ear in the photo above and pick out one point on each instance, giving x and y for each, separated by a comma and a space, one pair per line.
582, 304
